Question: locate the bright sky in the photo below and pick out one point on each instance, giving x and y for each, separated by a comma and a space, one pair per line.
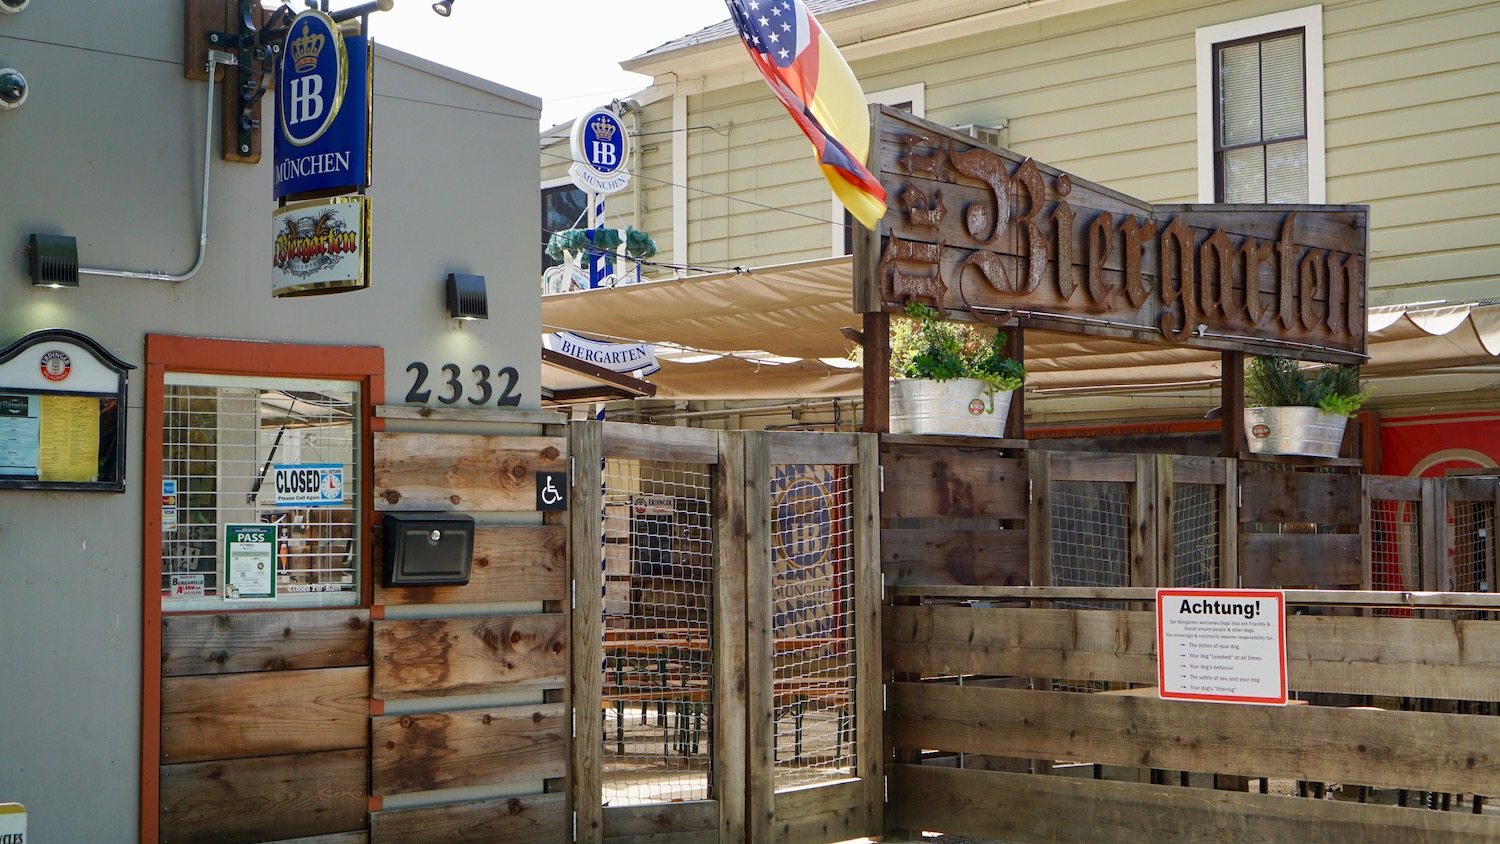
567, 52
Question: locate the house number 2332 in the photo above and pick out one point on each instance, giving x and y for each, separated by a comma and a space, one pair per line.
453, 385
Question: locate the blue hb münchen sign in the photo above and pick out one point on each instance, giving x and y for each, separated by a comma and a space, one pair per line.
601, 147
322, 109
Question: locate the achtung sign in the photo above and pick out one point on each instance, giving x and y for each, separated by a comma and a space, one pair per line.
984, 234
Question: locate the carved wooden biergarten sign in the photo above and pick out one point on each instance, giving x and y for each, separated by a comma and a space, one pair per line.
984, 234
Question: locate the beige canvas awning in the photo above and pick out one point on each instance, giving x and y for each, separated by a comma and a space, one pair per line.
774, 333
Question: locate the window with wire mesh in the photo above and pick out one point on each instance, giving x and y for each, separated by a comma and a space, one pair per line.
658, 636
1395, 548
224, 438
1195, 535
1090, 547
813, 626
1471, 524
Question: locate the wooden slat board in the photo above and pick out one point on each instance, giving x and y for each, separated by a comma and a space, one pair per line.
1093, 466
1294, 597
265, 799
230, 716
225, 643
540, 818
953, 485
686, 822
437, 657
948, 557
1077, 644
1386, 749
462, 471
813, 447
1317, 560
1026, 808
1388, 657
426, 752
511, 563
1324, 499
653, 442
826, 813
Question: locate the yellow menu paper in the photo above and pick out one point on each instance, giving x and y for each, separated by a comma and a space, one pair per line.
70, 438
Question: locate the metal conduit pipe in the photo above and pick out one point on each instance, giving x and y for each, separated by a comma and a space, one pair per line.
215, 57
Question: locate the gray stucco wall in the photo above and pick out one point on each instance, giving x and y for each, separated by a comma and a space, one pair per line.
108, 149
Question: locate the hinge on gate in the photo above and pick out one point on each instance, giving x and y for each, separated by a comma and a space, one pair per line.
572, 473
575, 825
882, 479
575, 722
1030, 494
573, 594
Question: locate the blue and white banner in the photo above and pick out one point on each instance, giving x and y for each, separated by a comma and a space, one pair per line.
322, 109
637, 359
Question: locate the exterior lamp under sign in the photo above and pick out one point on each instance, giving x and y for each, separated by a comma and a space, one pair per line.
467, 298
443, 7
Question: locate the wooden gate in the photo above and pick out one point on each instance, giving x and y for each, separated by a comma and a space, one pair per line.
725, 622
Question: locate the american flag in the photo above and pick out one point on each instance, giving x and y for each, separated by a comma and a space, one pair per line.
810, 78
776, 29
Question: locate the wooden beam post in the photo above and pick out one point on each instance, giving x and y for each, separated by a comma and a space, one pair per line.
877, 367
1015, 347
1232, 404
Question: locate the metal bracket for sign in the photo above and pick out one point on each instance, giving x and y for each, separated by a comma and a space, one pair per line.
256, 47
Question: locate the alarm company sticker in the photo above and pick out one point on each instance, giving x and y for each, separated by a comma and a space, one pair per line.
56, 365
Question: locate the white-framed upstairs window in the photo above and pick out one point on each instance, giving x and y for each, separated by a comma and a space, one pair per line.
911, 98
1260, 109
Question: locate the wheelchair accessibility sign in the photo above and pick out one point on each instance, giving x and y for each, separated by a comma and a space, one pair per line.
551, 491
309, 485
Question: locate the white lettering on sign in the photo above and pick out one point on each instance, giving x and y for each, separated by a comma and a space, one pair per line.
312, 165
307, 98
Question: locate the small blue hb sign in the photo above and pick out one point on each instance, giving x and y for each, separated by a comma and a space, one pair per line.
601, 148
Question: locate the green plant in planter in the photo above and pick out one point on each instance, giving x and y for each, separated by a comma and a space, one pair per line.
1280, 382
925, 346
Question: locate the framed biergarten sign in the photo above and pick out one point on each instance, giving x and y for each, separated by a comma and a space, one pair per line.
984, 234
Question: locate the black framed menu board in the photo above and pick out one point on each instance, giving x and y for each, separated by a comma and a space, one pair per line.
62, 414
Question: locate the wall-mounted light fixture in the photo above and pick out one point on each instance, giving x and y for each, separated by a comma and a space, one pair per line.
53, 259
443, 7
467, 298
13, 89
10, 7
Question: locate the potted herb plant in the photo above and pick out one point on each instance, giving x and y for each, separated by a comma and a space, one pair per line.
1292, 410
949, 377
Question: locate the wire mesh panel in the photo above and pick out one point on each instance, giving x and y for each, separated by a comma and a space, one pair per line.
1195, 535
276, 458
658, 638
1090, 546
1395, 546
1471, 524
1090, 533
813, 627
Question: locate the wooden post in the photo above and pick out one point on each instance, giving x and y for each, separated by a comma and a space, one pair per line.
877, 367
731, 564
1232, 404
760, 648
869, 697
1015, 347
585, 541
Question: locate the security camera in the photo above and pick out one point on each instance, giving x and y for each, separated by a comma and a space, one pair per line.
10, 7
12, 86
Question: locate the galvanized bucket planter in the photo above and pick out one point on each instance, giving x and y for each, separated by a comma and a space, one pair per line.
962, 406
1294, 430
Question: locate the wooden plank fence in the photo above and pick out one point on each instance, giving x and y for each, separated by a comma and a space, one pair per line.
1403, 683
